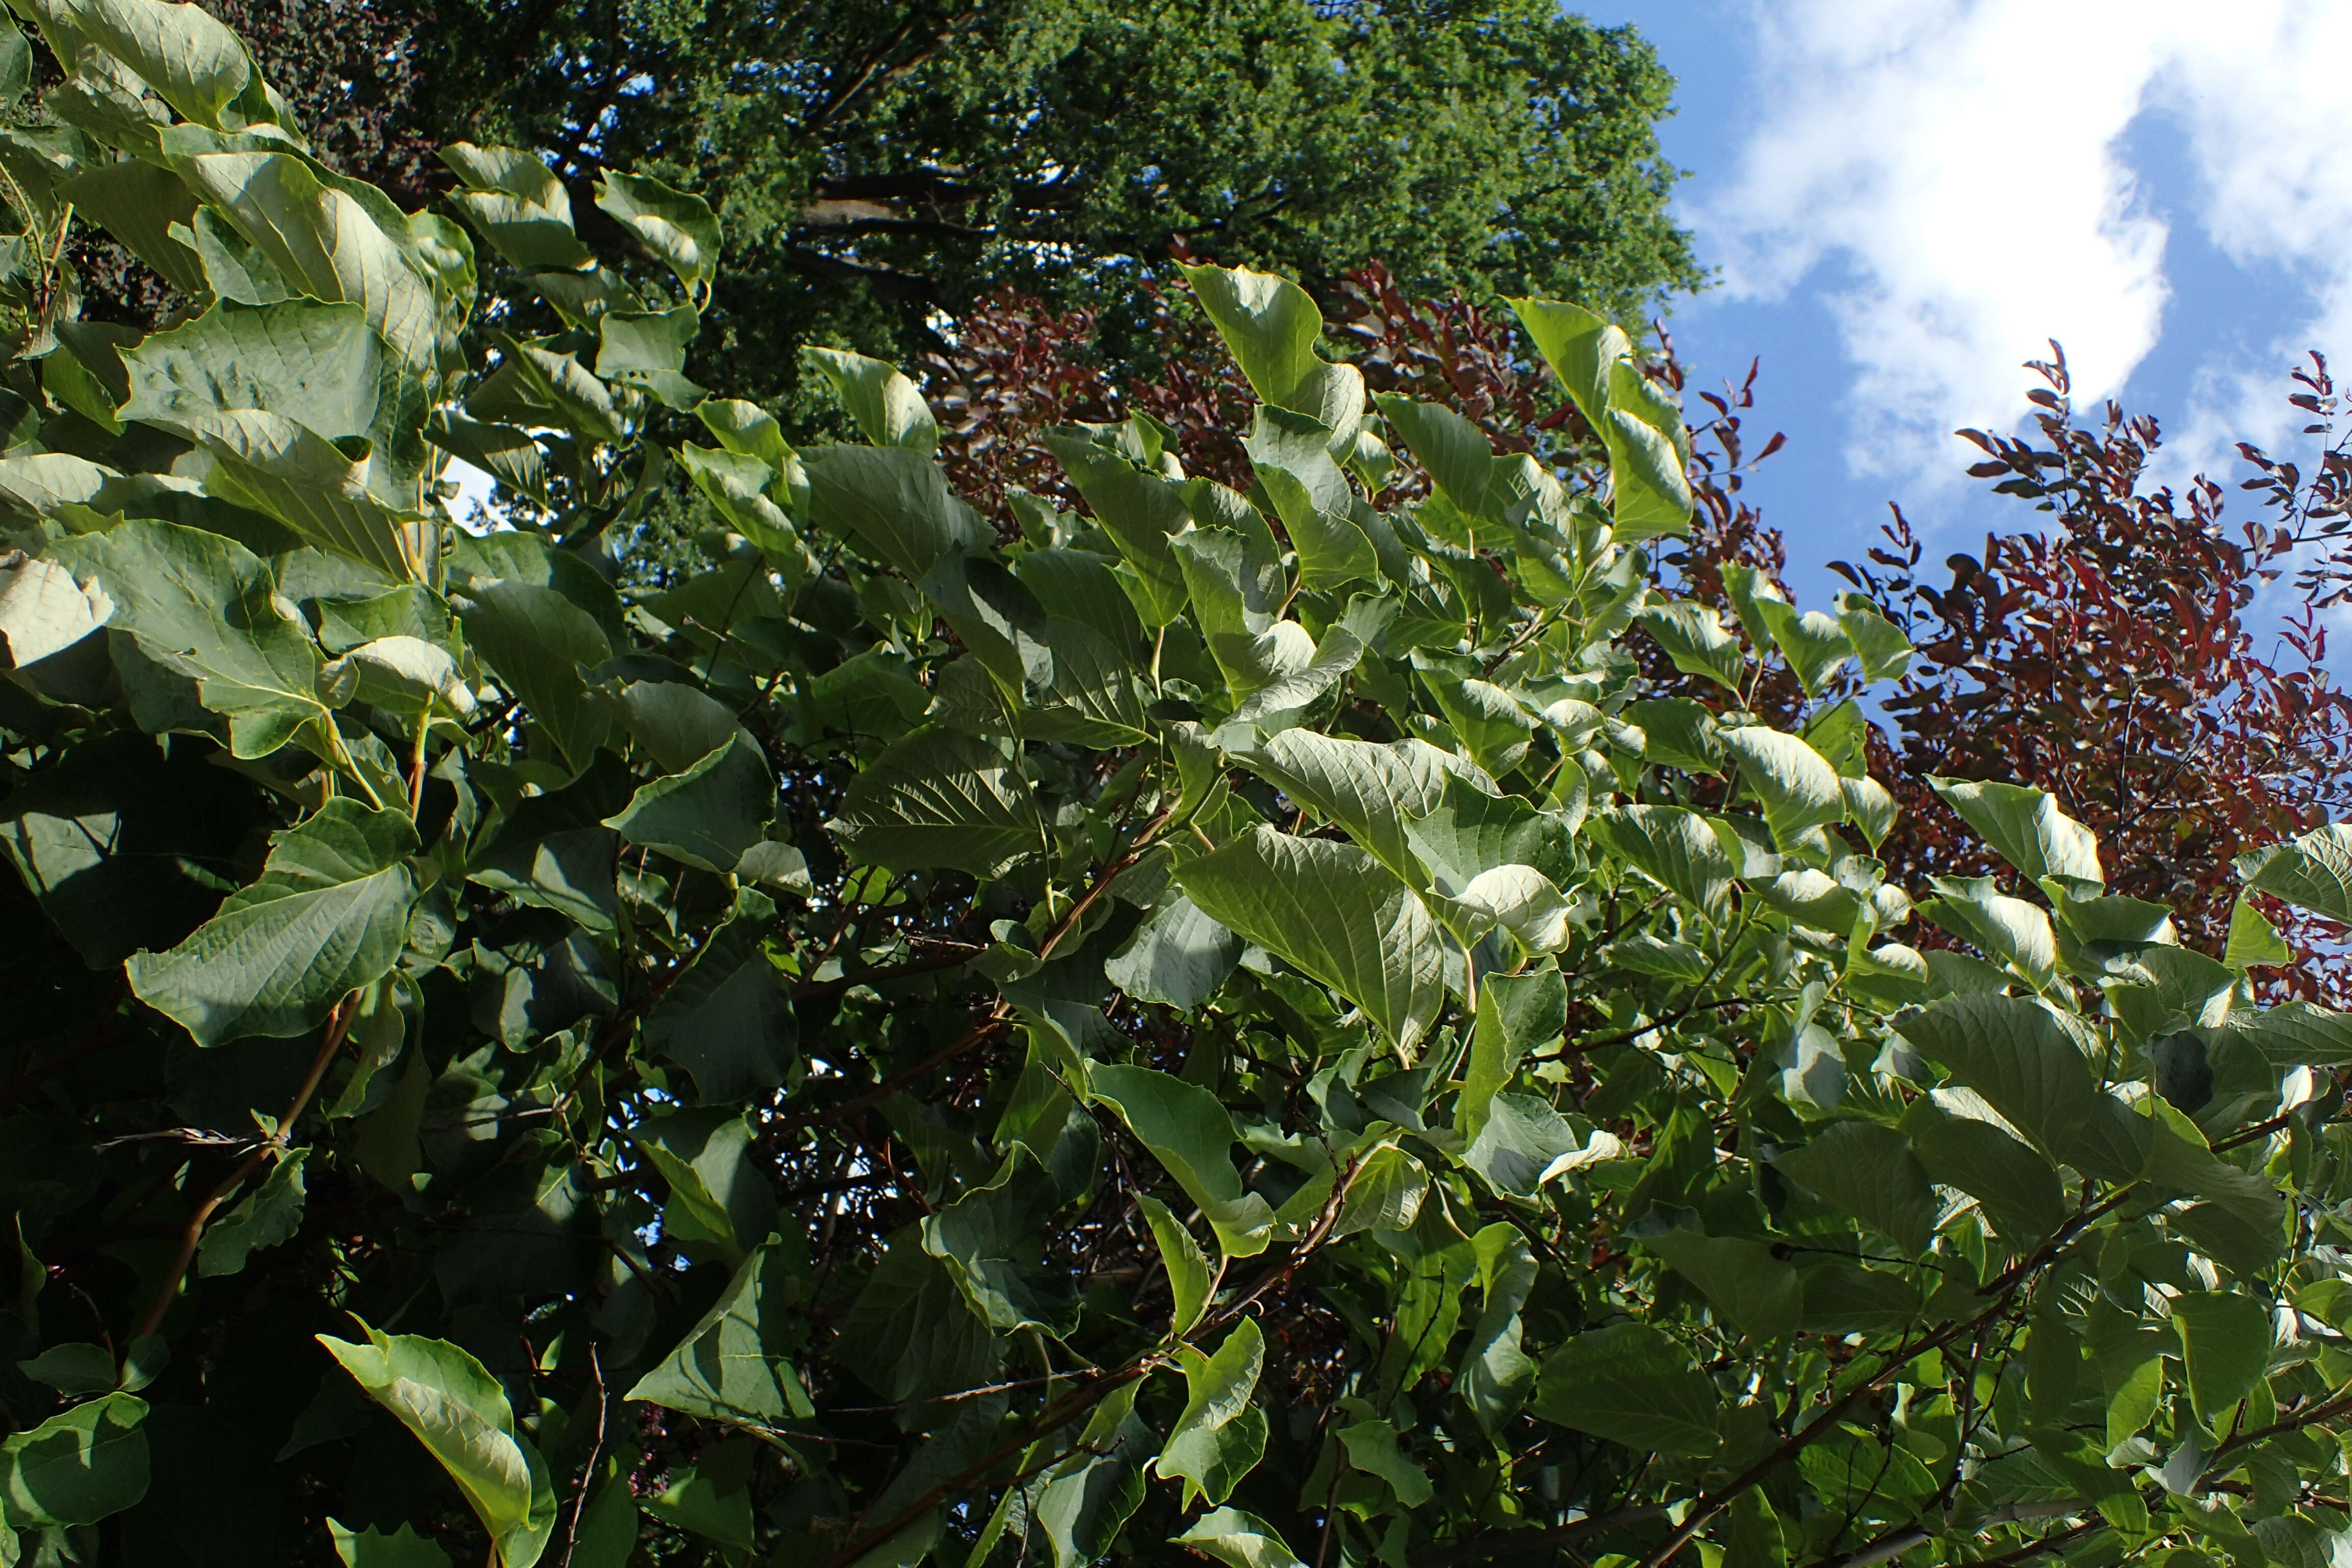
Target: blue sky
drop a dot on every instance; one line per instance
(1906, 198)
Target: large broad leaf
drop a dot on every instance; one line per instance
(1088, 1496)
(207, 607)
(76, 1467)
(894, 502)
(1798, 787)
(2026, 828)
(1643, 431)
(735, 1364)
(719, 1205)
(1694, 638)
(911, 1334)
(319, 364)
(44, 610)
(276, 466)
(940, 797)
(1373, 791)
(1750, 1289)
(727, 1019)
(1271, 326)
(140, 204)
(1674, 847)
(2225, 1343)
(1190, 1133)
(1869, 1172)
(709, 813)
(329, 913)
(992, 1241)
(2314, 871)
(2031, 1069)
(460, 1412)
(517, 203)
(2019, 1186)
(325, 241)
(1179, 957)
(1188, 1267)
(1220, 1435)
(1632, 1385)
(1337, 913)
(675, 225)
(537, 641)
(194, 62)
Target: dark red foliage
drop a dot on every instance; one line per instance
(2116, 656)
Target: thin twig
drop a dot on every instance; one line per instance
(588, 1471)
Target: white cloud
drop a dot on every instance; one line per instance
(1952, 180)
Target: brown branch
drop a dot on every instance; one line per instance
(338, 1025)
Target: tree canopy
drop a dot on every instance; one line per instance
(878, 169)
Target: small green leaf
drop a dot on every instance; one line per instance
(676, 226)
(1798, 787)
(1371, 1447)
(460, 1412)
(1694, 638)
(1189, 1280)
(1515, 1014)
(2253, 941)
(1179, 957)
(2225, 1341)
(1879, 642)
(1237, 1539)
(2025, 828)
(369, 1547)
(709, 813)
(1220, 1435)
(271, 1215)
(72, 1368)
(2312, 873)
(992, 1240)
(887, 406)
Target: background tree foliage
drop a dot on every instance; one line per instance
(1267, 1023)
(881, 170)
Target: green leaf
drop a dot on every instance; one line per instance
(711, 1498)
(1630, 1383)
(1495, 1373)
(518, 205)
(886, 406)
(735, 1364)
(1641, 429)
(1375, 791)
(2017, 1185)
(271, 1215)
(911, 1334)
(537, 641)
(318, 365)
(2031, 1068)
(1179, 957)
(2312, 873)
(1088, 1496)
(2254, 942)
(1221, 1435)
(707, 813)
(992, 1241)
(44, 610)
(1334, 912)
(460, 1412)
(719, 1205)
(206, 607)
(326, 241)
(1814, 645)
(1673, 846)
(1516, 1013)
(1798, 787)
(1519, 1142)
(141, 205)
(1189, 1280)
(894, 502)
(938, 797)
(72, 1368)
(1237, 1539)
(1755, 1293)
(1190, 1133)
(727, 1019)
(2225, 1341)
(1271, 326)
(1694, 638)
(676, 226)
(77, 1466)
(2007, 928)
(2025, 828)
(329, 913)
(1869, 1172)
(194, 63)
(369, 1547)
(1371, 1447)
(1878, 643)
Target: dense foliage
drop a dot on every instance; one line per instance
(1262, 1023)
(879, 169)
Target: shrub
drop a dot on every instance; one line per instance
(1236, 1022)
